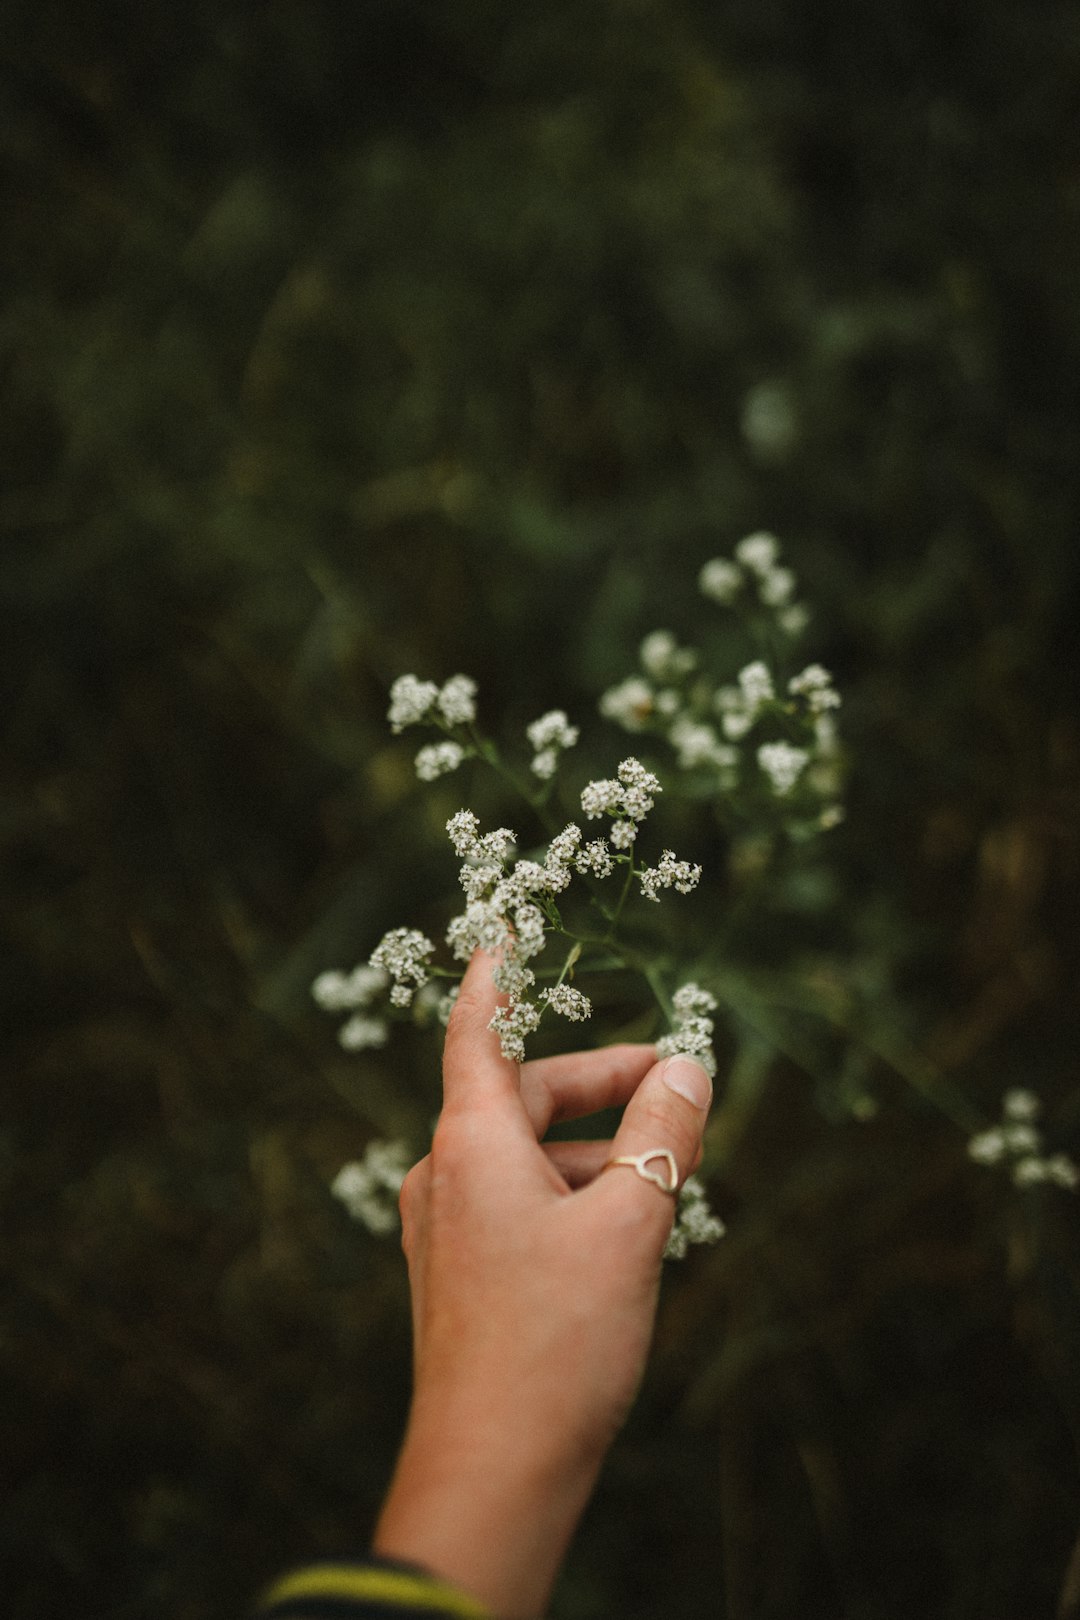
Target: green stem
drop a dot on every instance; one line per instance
(572, 956)
(625, 890)
(656, 985)
(489, 753)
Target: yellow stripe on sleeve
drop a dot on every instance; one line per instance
(361, 1581)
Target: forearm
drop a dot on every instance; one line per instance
(492, 1510)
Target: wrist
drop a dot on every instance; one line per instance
(487, 1503)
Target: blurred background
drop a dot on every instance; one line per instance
(342, 340)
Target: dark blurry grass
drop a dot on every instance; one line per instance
(343, 342)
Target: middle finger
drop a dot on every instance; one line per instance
(579, 1083)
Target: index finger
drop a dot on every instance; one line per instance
(475, 1073)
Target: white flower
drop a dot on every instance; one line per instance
(1029, 1172)
(783, 764)
(481, 926)
(529, 930)
(694, 1038)
(697, 744)
(341, 992)
(560, 855)
(1017, 1142)
(495, 846)
(403, 953)
(694, 1221)
(530, 876)
(446, 1005)
(1021, 1139)
(758, 552)
(457, 700)
(328, 991)
(638, 786)
(629, 704)
(562, 848)
(690, 999)
(596, 858)
(513, 978)
(988, 1147)
(815, 684)
(562, 998)
(463, 828)
(1061, 1169)
(656, 652)
(601, 798)
(630, 798)
(692, 1027)
(776, 587)
(736, 723)
(756, 686)
(769, 419)
(669, 874)
(1033, 1170)
(720, 580)
(477, 878)
(361, 1032)
(512, 1024)
(794, 619)
(369, 1188)
(438, 759)
(411, 701)
(548, 736)
(552, 730)
(663, 658)
(825, 736)
(1020, 1104)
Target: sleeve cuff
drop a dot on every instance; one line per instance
(368, 1589)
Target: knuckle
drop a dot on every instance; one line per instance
(470, 1007)
(413, 1188)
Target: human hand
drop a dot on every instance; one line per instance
(534, 1281)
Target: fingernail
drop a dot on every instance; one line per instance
(686, 1076)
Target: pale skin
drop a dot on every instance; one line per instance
(534, 1276)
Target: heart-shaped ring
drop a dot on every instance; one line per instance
(640, 1163)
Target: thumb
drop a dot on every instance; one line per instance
(665, 1117)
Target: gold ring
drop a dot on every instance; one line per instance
(640, 1162)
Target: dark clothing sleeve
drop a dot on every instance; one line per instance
(371, 1590)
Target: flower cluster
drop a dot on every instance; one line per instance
(669, 874)
(1017, 1144)
(783, 764)
(548, 736)
(403, 954)
(561, 998)
(692, 1026)
(757, 570)
(414, 702)
(369, 1188)
(354, 992)
(753, 738)
(510, 908)
(438, 759)
(510, 905)
(628, 798)
(694, 1221)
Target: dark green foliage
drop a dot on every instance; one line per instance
(343, 340)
